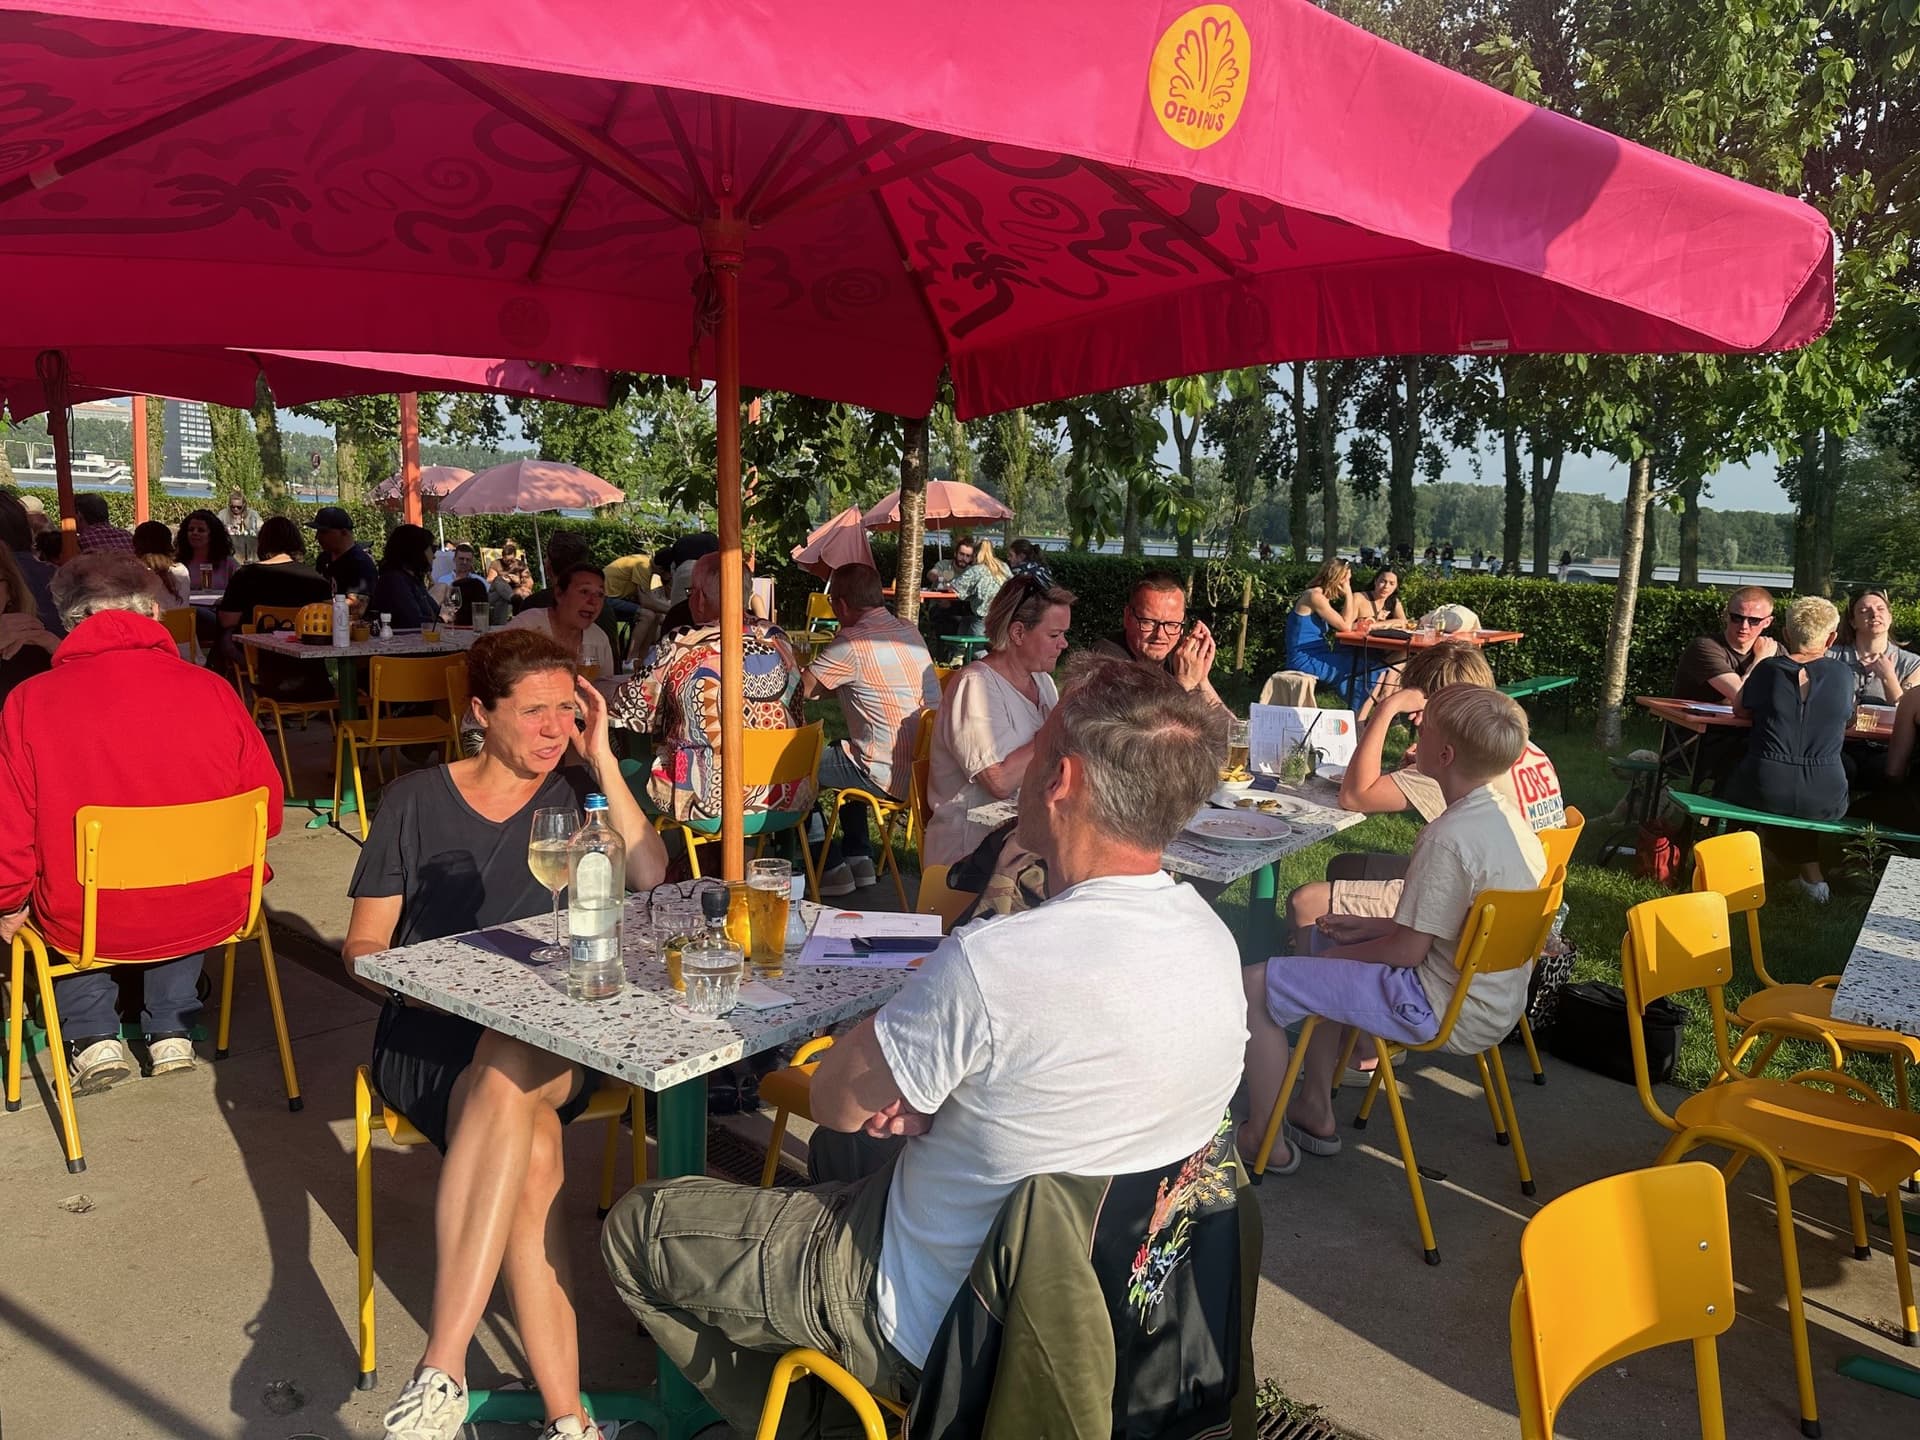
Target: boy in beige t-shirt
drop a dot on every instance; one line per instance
(1394, 977)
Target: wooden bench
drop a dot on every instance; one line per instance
(1524, 690)
(1720, 815)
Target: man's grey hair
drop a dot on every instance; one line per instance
(89, 584)
(706, 579)
(1150, 750)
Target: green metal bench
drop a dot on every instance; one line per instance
(1546, 685)
(965, 644)
(1720, 814)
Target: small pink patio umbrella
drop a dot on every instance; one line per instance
(437, 482)
(950, 503)
(532, 487)
(841, 541)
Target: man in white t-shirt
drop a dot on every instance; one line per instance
(1098, 1034)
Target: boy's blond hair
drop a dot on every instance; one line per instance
(1488, 730)
(1450, 663)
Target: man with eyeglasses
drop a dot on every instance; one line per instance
(1714, 667)
(1153, 631)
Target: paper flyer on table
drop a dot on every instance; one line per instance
(1272, 730)
(830, 944)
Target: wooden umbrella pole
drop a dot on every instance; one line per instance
(140, 477)
(52, 368)
(723, 241)
(410, 510)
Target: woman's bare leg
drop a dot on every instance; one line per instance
(539, 1276)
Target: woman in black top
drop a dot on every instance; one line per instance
(1800, 702)
(448, 854)
(401, 589)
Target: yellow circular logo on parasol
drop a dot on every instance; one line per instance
(1198, 79)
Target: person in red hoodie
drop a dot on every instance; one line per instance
(120, 719)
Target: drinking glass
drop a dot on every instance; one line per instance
(674, 926)
(547, 859)
(1236, 745)
(769, 892)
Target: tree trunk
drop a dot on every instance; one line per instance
(1326, 411)
(346, 463)
(1546, 480)
(1130, 520)
(1690, 535)
(1832, 455)
(1405, 444)
(156, 437)
(273, 457)
(1626, 595)
(1301, 489)
(1514, 517)
(1650, 542)
(1183, 446)
(1805, 502)
(913, 518)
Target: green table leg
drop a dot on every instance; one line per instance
(346, 686)
(1263, 924)
(673, 1409)
(1887, 1374)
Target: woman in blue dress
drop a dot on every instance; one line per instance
(1326, 607)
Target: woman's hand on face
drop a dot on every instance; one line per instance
(595, 742)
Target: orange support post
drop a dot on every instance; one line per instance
(140, 510)
(410, 458)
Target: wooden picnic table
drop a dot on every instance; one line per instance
(1880, 985)
(1312, 813)
(643, 1036)
(1403, 642)
(1686, 723)
(888, 591)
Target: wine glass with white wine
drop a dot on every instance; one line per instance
(553, 831)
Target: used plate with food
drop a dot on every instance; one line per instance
(1238, 827)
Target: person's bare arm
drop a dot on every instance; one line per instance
(1003, 780)
(1318, 603)
(1906, 724)
(1400, 947)
(646, 856)
(1728, 686)
(854, 1089)
(1365, 789)
(369, 930)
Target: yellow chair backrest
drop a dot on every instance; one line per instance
(1730, 864)
(938, 898)
(918, 802)
(1615, 1268)
(1675, 943)
(146, 847)
(819, 608)
(1559, 842)
(180, 625)
(776, 757)
(459, 697)
(1505, 929)
(284, 617)
(944, 674)
(409, 679)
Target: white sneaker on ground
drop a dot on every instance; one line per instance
(103, 1063)
(862, 868)
(1815, 890)
(568, 1427)
(175, 1052)
(432, 1407)
(837, 881)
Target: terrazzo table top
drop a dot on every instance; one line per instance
(1881, 983)
(404, 642)
(637, 1036)
(1304, 807)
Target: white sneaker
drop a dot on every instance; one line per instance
(173, 1053)
(101, 1064)
(568, 1427)
(837, 881)
(1815, 890)
(432, 1407)
(862, 868)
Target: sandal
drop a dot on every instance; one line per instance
(1305, 1140)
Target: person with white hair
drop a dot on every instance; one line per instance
(676, 699)
(120, 719)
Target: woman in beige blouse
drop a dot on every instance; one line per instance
(984, 733)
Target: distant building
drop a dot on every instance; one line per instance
(189, 439)
(103, 410)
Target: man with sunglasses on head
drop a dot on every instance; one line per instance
(1714, 667)
(1153, 631)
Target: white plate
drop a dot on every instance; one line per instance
(1332, 774)
(1237, 827)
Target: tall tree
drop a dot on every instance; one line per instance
(156, 436)
(1302, 474)
(234, 460)
(913, 517)
(365, 439)
(273, 457)
(1242, 426)
(1333, 382)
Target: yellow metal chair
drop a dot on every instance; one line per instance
(789, 1089)
(1682, 942)
(396, 680)
(609, 1103)
(919, 792)
(261, 704)
(1504, 930)
(797, 1365)
(768, 757)
(1558, 843)
(885, 809)
(183, 625)
(820, 619)
(1615, 1268)
(1730, 866)
(149, 847)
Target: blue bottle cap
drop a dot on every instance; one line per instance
(596, 802)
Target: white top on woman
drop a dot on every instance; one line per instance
(983, 719)
(595, 648)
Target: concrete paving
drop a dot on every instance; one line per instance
(198, 1280)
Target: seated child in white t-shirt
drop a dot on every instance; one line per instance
(1395, 977)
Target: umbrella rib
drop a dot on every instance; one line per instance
(669, 112)
(884, 134)
(583, 144)
(565, 212)
(914, 275)
(774, 167)
(1127, 190)
(309, 59)
(797, 203)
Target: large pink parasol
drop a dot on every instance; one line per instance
(950, 503)
(1080, 194)
(841, 541)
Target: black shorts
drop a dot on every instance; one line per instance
(418, 1056)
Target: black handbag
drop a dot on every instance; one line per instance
(1590, 1030)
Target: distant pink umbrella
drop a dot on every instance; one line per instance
(949, 503)
(841, 541)
(531, 487)
(437, 482)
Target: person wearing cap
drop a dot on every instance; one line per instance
(343, 560)
(36, 513)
